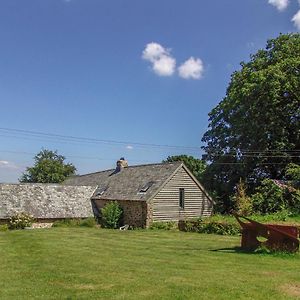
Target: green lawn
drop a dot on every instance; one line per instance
(90, 263)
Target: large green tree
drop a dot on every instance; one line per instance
(49, 167)
(254, 132)
(195, 165)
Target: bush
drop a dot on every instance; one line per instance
(211, 227)
(111, 214)
(89, 222)
(243, 203)
(20, 221)
(271, 198)
(3, 227)
(163, 225)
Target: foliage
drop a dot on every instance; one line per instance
(163, 225)
(292, 172)
(271, 198)
(243, 202)
(20, 221)
(49, 167)
(3, 227)
(88, 222)
(111, 214)
(212, 227)
(195, 165)
(254, 131)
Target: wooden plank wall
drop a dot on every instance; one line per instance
(165, 205)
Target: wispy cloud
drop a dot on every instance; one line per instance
(193, 68)
(296, 20)
(281, 5)
(163, 64)
(4, 164)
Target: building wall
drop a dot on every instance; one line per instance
(46, 201)
(165, 205)
(134, 212)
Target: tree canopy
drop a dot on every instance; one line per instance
(49, 167)
(254, 132)
(195, 165)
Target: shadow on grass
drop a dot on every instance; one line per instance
(259, 251)
(233, 250)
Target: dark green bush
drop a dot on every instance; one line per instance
(211, 227)
(20, 221)
(111, 214)
(270, 198)
(66, 223)
(163, 225)
(89, 222)
(3, 227)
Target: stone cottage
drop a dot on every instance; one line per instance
(147, 193)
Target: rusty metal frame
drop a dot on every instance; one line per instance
(278, 237)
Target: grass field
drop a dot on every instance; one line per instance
(90, 263)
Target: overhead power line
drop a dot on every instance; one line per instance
(43, 136)
(60, 137)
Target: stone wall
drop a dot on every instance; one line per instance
(46, 201)
(134, 212)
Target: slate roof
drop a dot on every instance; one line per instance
(46, 201)
(129, 182)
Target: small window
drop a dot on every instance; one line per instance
(181, 198)
(146, 187)
(100, 191)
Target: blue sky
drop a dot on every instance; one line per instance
(134, 71)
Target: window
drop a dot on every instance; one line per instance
(146, 187)
(181, 198)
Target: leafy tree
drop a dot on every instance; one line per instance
(196, 166)
(254, 132)
(49, 167)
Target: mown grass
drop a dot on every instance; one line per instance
(91, 263)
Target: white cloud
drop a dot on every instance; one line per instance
(163, 64)
(129, 147)
(193, 68)
(4, 164)
(281, 5)
(296, 20)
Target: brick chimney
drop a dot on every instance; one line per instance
(121, 163)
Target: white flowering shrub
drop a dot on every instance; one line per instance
(20, 221)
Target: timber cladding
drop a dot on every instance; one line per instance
(166, 206)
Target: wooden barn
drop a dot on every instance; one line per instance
(148, 193)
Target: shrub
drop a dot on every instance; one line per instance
(243, 202)
(3, 227)
(211, 227)
(89, 222)
(66, 223)
(111, 214)
(20, 221)
(271, 198)
(163, 225)
(268, 198)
